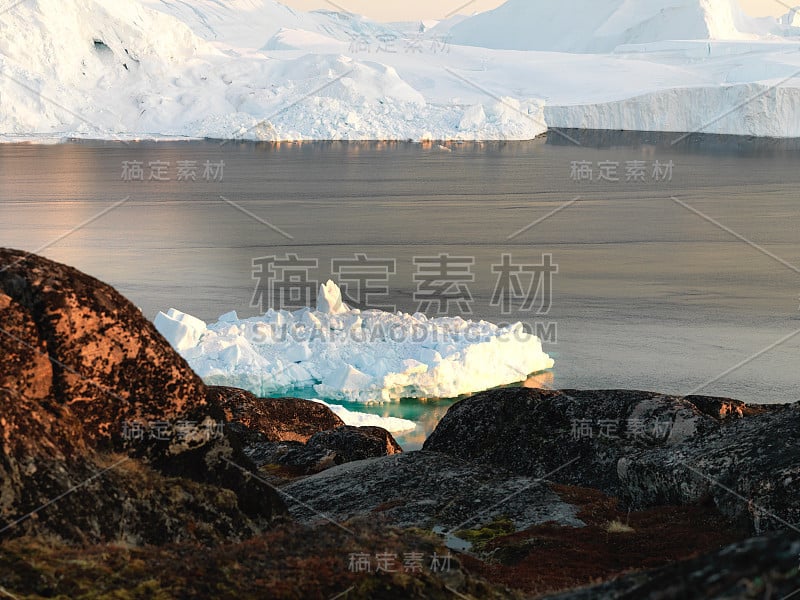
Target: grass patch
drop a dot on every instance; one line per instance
(478, 537)
(617, 526)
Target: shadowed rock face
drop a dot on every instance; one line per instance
(290, 437)
(77, 342)
(427, 489)
(356, 443)
(661, 450)
(534, 431)
(78, 361)
(761, 567)
(277, 419)
(337, 446)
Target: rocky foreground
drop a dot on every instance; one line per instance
(123, 476)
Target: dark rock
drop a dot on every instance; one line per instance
(278, 419)
(338, 446)
(356, 443)
(428, 490)
(664, 449)
(536, 432)
(79, 363)
(299, 437)
(761, 567)
(322, 451)
(750, 468)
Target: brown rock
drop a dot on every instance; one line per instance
(26, 368)
(107, 361)
(278, 419)
(78, 361)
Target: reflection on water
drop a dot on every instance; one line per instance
(426, 413)
(685, 143)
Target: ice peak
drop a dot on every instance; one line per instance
(329, 299)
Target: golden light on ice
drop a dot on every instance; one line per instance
(540, 381)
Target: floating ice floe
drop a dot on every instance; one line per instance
(361, 419)
(354, 355)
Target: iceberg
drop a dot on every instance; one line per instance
(182, 330)
(597, 27)
(352, 355)
(256, 70)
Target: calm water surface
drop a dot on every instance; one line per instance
(649, 293)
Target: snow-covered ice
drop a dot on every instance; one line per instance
(354, 355)
(255, 69)
(580, 26)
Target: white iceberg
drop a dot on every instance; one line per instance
(580, 26)
(353, 355)
(329, 299)
(182, 330)
(257, 70)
